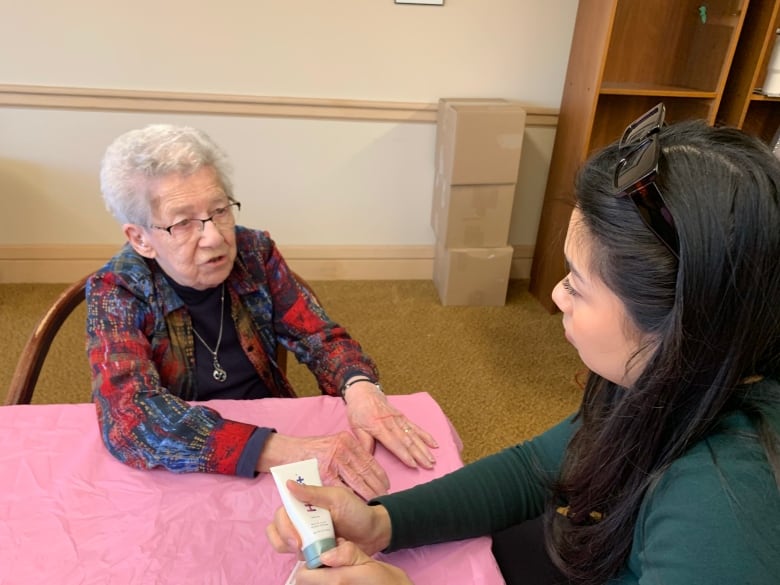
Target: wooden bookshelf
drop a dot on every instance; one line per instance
(626, 56)
(743, 105)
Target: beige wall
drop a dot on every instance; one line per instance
(343, 197)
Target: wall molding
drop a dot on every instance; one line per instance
(67, 262)
(127, 100)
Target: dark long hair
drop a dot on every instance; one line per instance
(714, 318)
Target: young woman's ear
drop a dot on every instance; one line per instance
(137, 238)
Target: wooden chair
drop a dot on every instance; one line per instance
(28, 368)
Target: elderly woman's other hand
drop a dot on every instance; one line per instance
(373, 417)
(342, 461)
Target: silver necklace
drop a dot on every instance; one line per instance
(219, 373)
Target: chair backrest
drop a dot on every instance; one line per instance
(28, 368)
(34, 353)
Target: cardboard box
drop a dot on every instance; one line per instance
(475, 216)
(472, 276)
(479, 142)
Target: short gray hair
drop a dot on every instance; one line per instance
(136, 157)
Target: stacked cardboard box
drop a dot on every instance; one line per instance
(478, 145)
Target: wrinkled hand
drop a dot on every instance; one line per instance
(348, 565)
(342, 461)
(367, 526)
(373, 417)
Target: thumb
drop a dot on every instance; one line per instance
(311, 494)
(345, 554)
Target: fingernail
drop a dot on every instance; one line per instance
(292, 544)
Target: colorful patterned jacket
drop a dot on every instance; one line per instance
(141, 350)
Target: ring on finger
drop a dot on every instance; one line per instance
(407, 429)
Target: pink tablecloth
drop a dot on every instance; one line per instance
(72, 514)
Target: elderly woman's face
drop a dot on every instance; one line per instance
(203, 260)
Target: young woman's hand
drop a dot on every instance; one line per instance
(366, 526)
(348, 565)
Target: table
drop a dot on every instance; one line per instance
(72, 514)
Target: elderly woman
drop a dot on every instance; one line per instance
(193, 307)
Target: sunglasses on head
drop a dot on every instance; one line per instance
(635, 174)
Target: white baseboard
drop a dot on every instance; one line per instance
(66, 263)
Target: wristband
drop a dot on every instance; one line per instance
(345, 387)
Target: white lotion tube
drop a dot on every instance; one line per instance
(313, 523)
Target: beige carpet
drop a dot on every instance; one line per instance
(502, 374)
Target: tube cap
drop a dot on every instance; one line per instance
(312, 552)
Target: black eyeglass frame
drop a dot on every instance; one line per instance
(203, 222)
(636, 171)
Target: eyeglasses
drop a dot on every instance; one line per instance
(222, 217)
(636, 172)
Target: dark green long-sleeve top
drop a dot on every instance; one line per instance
(712, 518)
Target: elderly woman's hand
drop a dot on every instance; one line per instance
(342, 461)
(373, 417)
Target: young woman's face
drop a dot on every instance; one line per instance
(204, 260)
(594, 318)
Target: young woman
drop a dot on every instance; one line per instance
(669, 472)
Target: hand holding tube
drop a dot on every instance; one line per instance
(348, 565)
(366, 526)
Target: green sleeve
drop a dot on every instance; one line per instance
(478, 499)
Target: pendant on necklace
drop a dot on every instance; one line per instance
(219, 374)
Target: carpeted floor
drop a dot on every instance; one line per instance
(502, 374)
